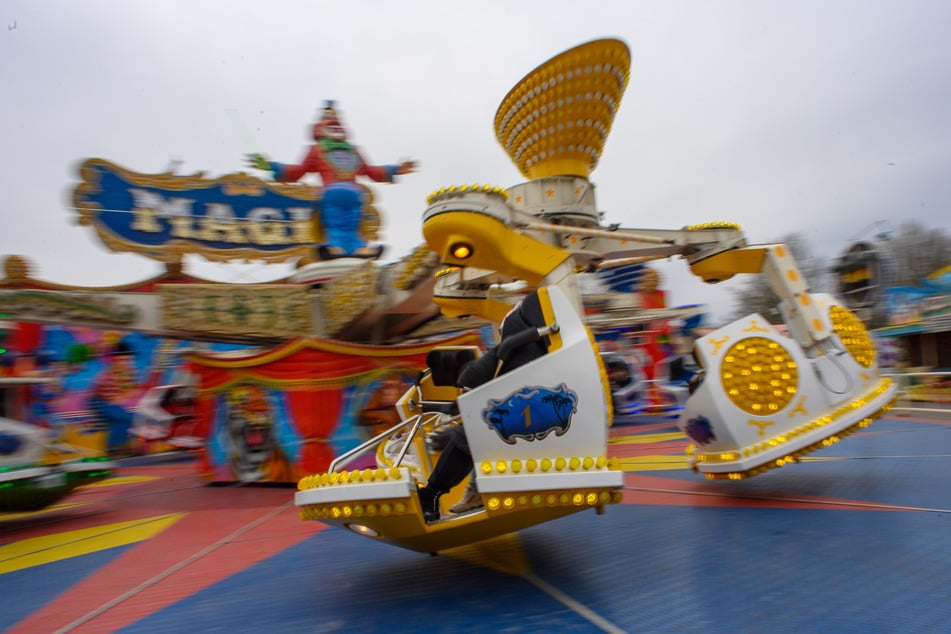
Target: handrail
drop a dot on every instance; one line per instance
(348, 457)
(905, 393)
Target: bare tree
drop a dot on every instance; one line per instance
(755, 295)
(917, 252)
(913, 252)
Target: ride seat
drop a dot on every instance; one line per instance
(439, 386)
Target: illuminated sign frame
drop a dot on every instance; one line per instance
(233, 217)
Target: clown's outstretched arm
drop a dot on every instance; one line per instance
(258, 161)
(288, 173)
(385, 173)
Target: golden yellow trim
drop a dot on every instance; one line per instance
(266, 311)
(853, 334)
(458, 190)
(560, 463)
(330, 345)
(785, 437)
(555, 121)
(712, 226)
(718, 343)
(725, 265)
(496, 247)
(548, 314)
(495, 503)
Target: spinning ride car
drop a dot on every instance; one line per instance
(34, 472)
(537, 435)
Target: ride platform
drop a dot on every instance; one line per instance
(853, 538)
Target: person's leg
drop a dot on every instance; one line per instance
(454, 462)
(453, 465)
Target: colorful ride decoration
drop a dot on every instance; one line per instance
(232, 217)
(93, 381)
(925, 307)
(341, 201)
(274, 415)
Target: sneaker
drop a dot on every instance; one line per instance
(470, 501)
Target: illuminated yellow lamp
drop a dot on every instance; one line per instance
(516, 466)
(555, 121)
(711, 226)
(500, 466)
(577, 499)
(493, 504)
(486, 467)
(574, 464)
(546, 464)
(461, 250)
(395, 473)
(853, 334)
(531, 465)
(560, 464)
(751, 379)
(458, 190)
(587, 463)
(508, 503)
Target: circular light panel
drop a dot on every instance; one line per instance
(759, 376)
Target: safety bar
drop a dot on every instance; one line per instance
(348, 457)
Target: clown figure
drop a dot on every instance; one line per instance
(341, 203)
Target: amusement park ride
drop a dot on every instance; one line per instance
(536, 433)
(762, 401)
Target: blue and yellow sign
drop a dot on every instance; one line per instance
(236, 216)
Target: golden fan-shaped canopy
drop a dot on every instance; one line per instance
(555, 121)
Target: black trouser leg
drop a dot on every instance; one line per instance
(454, 463)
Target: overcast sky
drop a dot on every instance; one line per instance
(817, 117)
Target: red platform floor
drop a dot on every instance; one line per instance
(857, 537)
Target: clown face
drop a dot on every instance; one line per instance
(330, 128)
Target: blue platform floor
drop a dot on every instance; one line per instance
(856, 538)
